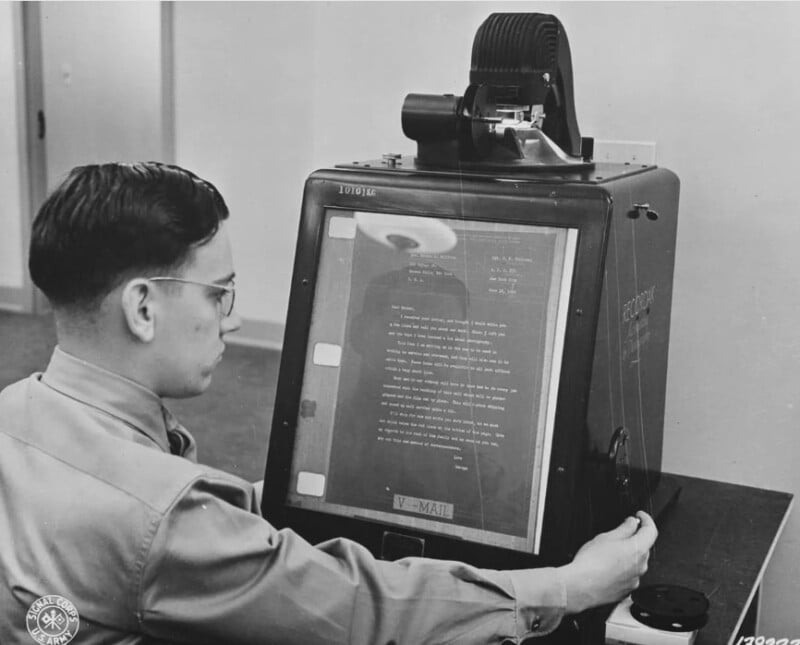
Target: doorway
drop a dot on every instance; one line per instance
(98, 88)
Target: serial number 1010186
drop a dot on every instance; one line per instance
(763, 640)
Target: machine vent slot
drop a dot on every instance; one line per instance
(515, 42)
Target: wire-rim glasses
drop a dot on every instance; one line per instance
(226, 300)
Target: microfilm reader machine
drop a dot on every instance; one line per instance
(475, 357)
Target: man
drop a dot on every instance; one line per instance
(108, 526)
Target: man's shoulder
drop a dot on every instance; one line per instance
(80, 503)
(47, 439)
(15, 399)
(14, 393)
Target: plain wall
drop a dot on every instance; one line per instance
(266, 93)
(244, 84)
(11, 203)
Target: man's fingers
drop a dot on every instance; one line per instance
(645, 519)
(626, 529)
(647, 533)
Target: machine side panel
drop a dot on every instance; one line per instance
(625, 421)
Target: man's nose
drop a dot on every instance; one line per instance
(230, 323)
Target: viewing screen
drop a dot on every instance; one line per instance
(431, 375)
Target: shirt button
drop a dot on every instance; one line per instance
(537, 623)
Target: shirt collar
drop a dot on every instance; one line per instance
(112, 393)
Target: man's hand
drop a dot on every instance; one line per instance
(608, 567)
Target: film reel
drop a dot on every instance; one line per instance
(670, 608)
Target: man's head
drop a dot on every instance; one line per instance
(95, 244)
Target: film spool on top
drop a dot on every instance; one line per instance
(670, 607)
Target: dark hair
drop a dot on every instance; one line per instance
(107, 222)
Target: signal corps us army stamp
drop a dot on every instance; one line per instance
(52, 620)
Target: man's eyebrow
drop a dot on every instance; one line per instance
(226, 279)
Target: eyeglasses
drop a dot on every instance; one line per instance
(225, 301)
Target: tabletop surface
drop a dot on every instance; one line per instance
(717, 538)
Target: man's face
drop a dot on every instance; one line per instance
(189, 332)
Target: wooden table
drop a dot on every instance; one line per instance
(718, 538)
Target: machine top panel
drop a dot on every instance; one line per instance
(599, 173)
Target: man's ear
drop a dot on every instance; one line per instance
(138, 309)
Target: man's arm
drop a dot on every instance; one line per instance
(218, 573)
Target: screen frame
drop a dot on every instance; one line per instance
(585, 207)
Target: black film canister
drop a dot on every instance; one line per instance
(431, 117)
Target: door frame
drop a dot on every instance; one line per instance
(34, 149)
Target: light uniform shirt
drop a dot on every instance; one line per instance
(105, 531)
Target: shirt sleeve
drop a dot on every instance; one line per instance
(216, 572)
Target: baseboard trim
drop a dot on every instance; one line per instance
(14, 299)
(258, 333)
